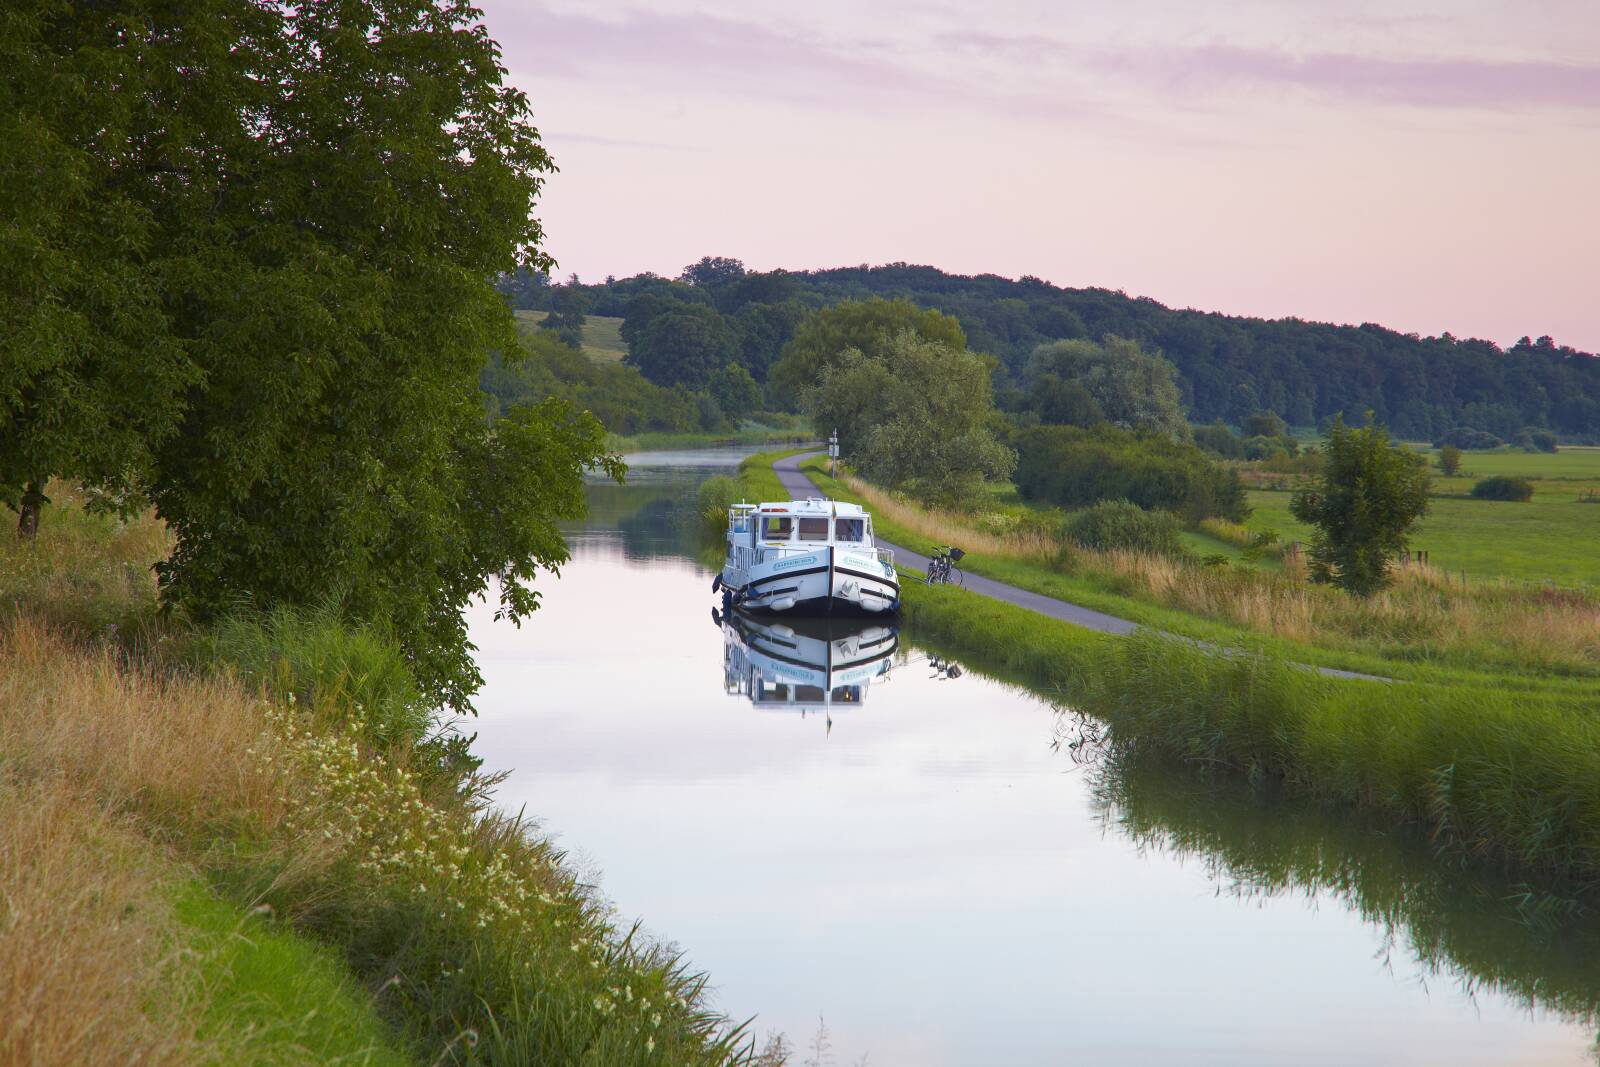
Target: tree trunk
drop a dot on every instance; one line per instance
(33, 499)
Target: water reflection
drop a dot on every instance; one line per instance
(1481, 933)
(804, 665)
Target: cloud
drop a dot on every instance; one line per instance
(1420, 82)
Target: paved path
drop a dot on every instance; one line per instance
(799, 486)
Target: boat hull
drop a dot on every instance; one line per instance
(825, 581)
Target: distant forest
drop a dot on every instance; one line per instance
(1230, 367)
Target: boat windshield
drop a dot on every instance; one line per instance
(814, 529)
(776, 527)
(849, 530)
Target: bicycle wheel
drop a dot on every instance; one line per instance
(956, 578)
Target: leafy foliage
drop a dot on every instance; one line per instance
(1371, 495)
(1503, 487)
(914, 416)
(1449, 460)
(1129, 388)
(1122, 524)
(870, 327)
(684, 345)
(1076, 467)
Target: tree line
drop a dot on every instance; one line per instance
(1229, 367)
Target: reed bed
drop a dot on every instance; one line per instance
(1425, 616)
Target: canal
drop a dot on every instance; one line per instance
(923, 865)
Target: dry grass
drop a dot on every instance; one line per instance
(1426, 614)
(83, 927)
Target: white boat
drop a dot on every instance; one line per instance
(806, 557)
(813, 665)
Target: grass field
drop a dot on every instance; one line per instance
(602, 334)
(1552, 538)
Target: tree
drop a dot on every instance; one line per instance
(685, 345)
(91, 378)
(1450, 460)
(569, 306)
(735, 392)
(303, 208)
(916, 416)
(1264, 424)
(868, 326)
(1133, 389)
(713, 271)
(1371, 496)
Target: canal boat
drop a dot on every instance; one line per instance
(806, 557)
(811, 665)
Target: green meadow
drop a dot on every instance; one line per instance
(602, 334)
(1553, 538)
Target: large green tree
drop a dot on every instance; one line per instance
(91, 376)
(322, 194)
(868, 326)
(918, 415)
(685, 345)
(1371, 495)
(1129, 387)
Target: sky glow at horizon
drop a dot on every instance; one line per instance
(1433, 168)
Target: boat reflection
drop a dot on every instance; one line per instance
(804, 664)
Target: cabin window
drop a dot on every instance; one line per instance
(776, 527)
(849, 529)
(813, 529)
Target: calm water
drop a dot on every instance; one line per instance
(929, 874)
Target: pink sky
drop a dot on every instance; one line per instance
(1428, 165)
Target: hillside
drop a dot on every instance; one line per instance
(1230, 366)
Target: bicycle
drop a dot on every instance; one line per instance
(942, 569)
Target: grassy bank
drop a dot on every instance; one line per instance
(1430, 626)
(1503, 774)
(205, 834)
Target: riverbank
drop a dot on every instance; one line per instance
(251, 843)
(1505, 774)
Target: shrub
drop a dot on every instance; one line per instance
(1219, 441)
(1075, 468)
(1113, 524)
(1450, 459)
(1470, 439)
(1503, 487)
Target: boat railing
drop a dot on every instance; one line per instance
(885, 555)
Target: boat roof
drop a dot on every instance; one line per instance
(815, 505)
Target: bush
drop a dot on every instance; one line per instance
(1075, 468)
(1113, 524)
(1219, 441)
(1503, 487)
(1450, 459)
(1467, 438)
(1539, 441)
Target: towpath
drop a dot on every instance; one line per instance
(799, 486)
